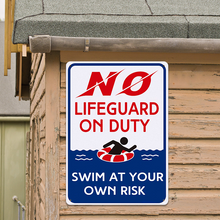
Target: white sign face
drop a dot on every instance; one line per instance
(117, 133)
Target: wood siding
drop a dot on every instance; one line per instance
(194, 140)
(43, 189)
(36, 190)
(52, 135)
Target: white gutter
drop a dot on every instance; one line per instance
(46, 44)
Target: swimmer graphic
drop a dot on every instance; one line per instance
(118, 147)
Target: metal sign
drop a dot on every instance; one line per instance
(117, 133)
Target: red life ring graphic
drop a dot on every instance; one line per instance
(103, 154)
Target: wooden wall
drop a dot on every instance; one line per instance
(35, 191)
(194, 139)
(42, 191)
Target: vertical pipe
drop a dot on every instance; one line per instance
(23, 213)
(19, 211)
(20, 206)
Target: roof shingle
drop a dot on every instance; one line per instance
(117, 19)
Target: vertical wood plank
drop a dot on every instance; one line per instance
(52, 93)
(9, 33)
(24, 50)
(37, 144)
(20, 76)
(6, 40)
(32, 169)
